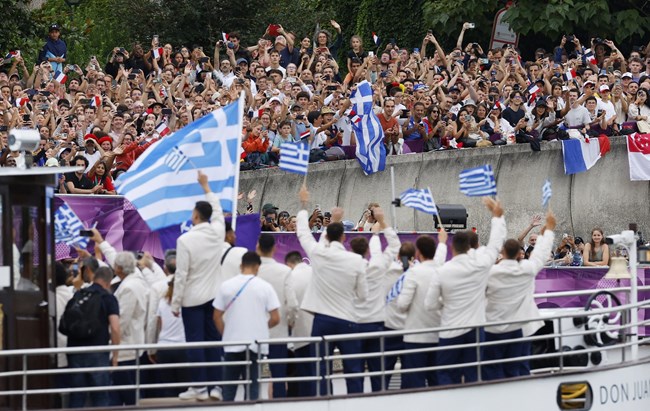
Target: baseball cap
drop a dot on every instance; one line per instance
(627, 75)
(326, 110)
(589, 82)
(241, 60)
(579, 240)
(604, 87)
(55, 26)
(269, 206)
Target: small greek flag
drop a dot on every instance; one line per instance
(478, 182)
(547, 192)
(394, 291)
(176, 159)
(67, 226)
(421, 200)
(294, 157)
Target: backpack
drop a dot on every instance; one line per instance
(82, 316)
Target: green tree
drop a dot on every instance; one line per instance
(18, 31)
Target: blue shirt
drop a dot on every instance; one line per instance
(416, 134)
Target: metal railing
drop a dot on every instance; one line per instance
(23, 389)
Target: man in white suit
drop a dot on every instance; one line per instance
(411, 300)
(510, 290)
(195, 284)
(338, 279)
(458, 290)
(279, 276)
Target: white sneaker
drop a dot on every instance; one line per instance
(194, 394)
(216, 394)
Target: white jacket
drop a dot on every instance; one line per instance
(339, 275)
(411, 299)
(231, 266)
(372, 309)
(459, 287)
(279, 276)
(300, 279)
(137, 313)
(197, 260)
(511, 286)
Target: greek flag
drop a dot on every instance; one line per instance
(478, 182)
(371, 152)
(547, 192)
(394, 291)
(421, 200)
(67, 226)
(294, 157)
(162, 184)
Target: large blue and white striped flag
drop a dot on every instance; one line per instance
(67, 226)
(478, 182)
(547, 192)
(371, 152)
(162, 184)
(294, 157)
(421, 200)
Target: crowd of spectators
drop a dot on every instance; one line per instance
(108, 112)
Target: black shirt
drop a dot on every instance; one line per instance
(110, 307)
(83, 182)
(512, 116)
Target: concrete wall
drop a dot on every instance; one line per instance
(601, 197)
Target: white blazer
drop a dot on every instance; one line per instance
(511, 286)
(372, 309)
(338, 278)
(197, 260)
(279, 276)
(300, 279)
(459, 287)
(411, 298)
(137, 313)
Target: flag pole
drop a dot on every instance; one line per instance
(235, 191)
(392, 187)
(437, 213)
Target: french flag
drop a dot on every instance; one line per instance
(498, 106)
(256, 113)
(163, 129)
(638, 155)
(533, 89)
(21, 101)
(95, 101)
(353, 116)
(60, 77)
(589, 57)
(581, 155)
(158, 52)
(570, 75)
(12, 54)
(375, 39)
(225, 37)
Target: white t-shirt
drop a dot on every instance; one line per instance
(92, 159)
(247, 317)
(577, 117)
(172, 330)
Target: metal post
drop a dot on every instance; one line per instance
(392, 186)
(634, 299)
(318, 360)
(137, 377)
(559, 329)
(382, 347)
(478, 352)
(328, 372)
(24, 382)
(247, 386)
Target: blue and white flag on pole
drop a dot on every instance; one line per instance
(547, 192)
(396, 289)
(478, 182)
(162, 184)
(371, 152)
(67, 226)
(294, 157)
(421, 200)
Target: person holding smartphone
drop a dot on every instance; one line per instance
(416, 128)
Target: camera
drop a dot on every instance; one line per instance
(85, 233)
(468, 117)
(570, 38)
(204, 59)
(626, 238)
(599, 113)
(23, 140)
(598, 40)
(231, 45)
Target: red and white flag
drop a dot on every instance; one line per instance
(638, 154)
(353, 116)
(163, 129)
(375, 38)
(60, 77)
(305, 134)
(95, 101)
(225, 37)
(589, 57)
(256, 113)
(157, 52)
(497, 105)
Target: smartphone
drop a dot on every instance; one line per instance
(468, 117)
(318, 207)
(132, 76)
(484, 60)
(208, 75)
(371, 54)
(327, 214)
(405, 114)
(599, 113)
(383, 74)
(291, 79)
(300, 117)
(471, 25)
(155, 39)
(204, 59)
(166, 111)
(429, 32)
(43, 106)
(332, 88)
(85, 233)
(84, 101)
(70, 67)
(416, 50)
(122, 50)
(26, 117)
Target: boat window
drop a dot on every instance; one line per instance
(25, 248)
(576, 396)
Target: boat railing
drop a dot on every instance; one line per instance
(21, 371)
